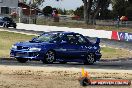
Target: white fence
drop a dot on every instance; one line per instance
(85, 32)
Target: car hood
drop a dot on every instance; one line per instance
(31, 44)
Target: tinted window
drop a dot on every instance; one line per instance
(49, 37)
(7, 19)
(81, 39)
(71, 39)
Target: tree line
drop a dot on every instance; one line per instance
(98, 9)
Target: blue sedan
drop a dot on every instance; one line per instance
(60, 47)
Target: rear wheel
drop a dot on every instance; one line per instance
(90, 59)
(22, 60)
(4, 25)
(49, 57)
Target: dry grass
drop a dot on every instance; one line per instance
(46, 77)
(111, 53)
(78, 24)
(7, 39)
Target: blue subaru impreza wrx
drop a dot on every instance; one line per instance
(60, 47)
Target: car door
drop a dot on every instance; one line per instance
(69, 48)
(83, 45)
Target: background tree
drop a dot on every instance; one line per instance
(129, 10)
(47, 10)
(36, 3)
(122, 8)
(61, 11)
(70, 12)
(105, 13)
(119, 7)
(79, 11)
(92, 8)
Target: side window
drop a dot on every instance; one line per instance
(6, 19)
(0, 19)
(71, 39)
(81, 39)
(56, 37)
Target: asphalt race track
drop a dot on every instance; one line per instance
(114, 65)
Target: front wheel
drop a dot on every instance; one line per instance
(49, 57)
(22, 60)
(90, 59)
(14, 26)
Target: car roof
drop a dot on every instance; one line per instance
(63, 32)
(60, 32)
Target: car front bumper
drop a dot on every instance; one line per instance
(27, 54)
(11, 25)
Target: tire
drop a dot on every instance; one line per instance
(14, 26)
(90, 59)
(6, 26)
(85, 82)
(62, 62)
(49, 57)
(22, 60)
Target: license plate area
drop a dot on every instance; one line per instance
(22, 54)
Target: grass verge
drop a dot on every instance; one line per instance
(7, 39)
(112, 53)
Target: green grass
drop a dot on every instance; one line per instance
(111, 53)
(112, 28)
(7, 39)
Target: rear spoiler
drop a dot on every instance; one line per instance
(97, 41)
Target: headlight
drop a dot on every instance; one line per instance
(14, 47)
(34, 49)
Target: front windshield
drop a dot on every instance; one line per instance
(7, 19)
(49, 37)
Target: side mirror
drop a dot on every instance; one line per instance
(97, 40)
(33, 39)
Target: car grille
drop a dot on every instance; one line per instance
(25, 54)
(22, 54)
(22, 48)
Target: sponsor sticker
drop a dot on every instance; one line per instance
(85, 80)
(125, 36)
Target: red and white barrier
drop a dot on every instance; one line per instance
(86, 32)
